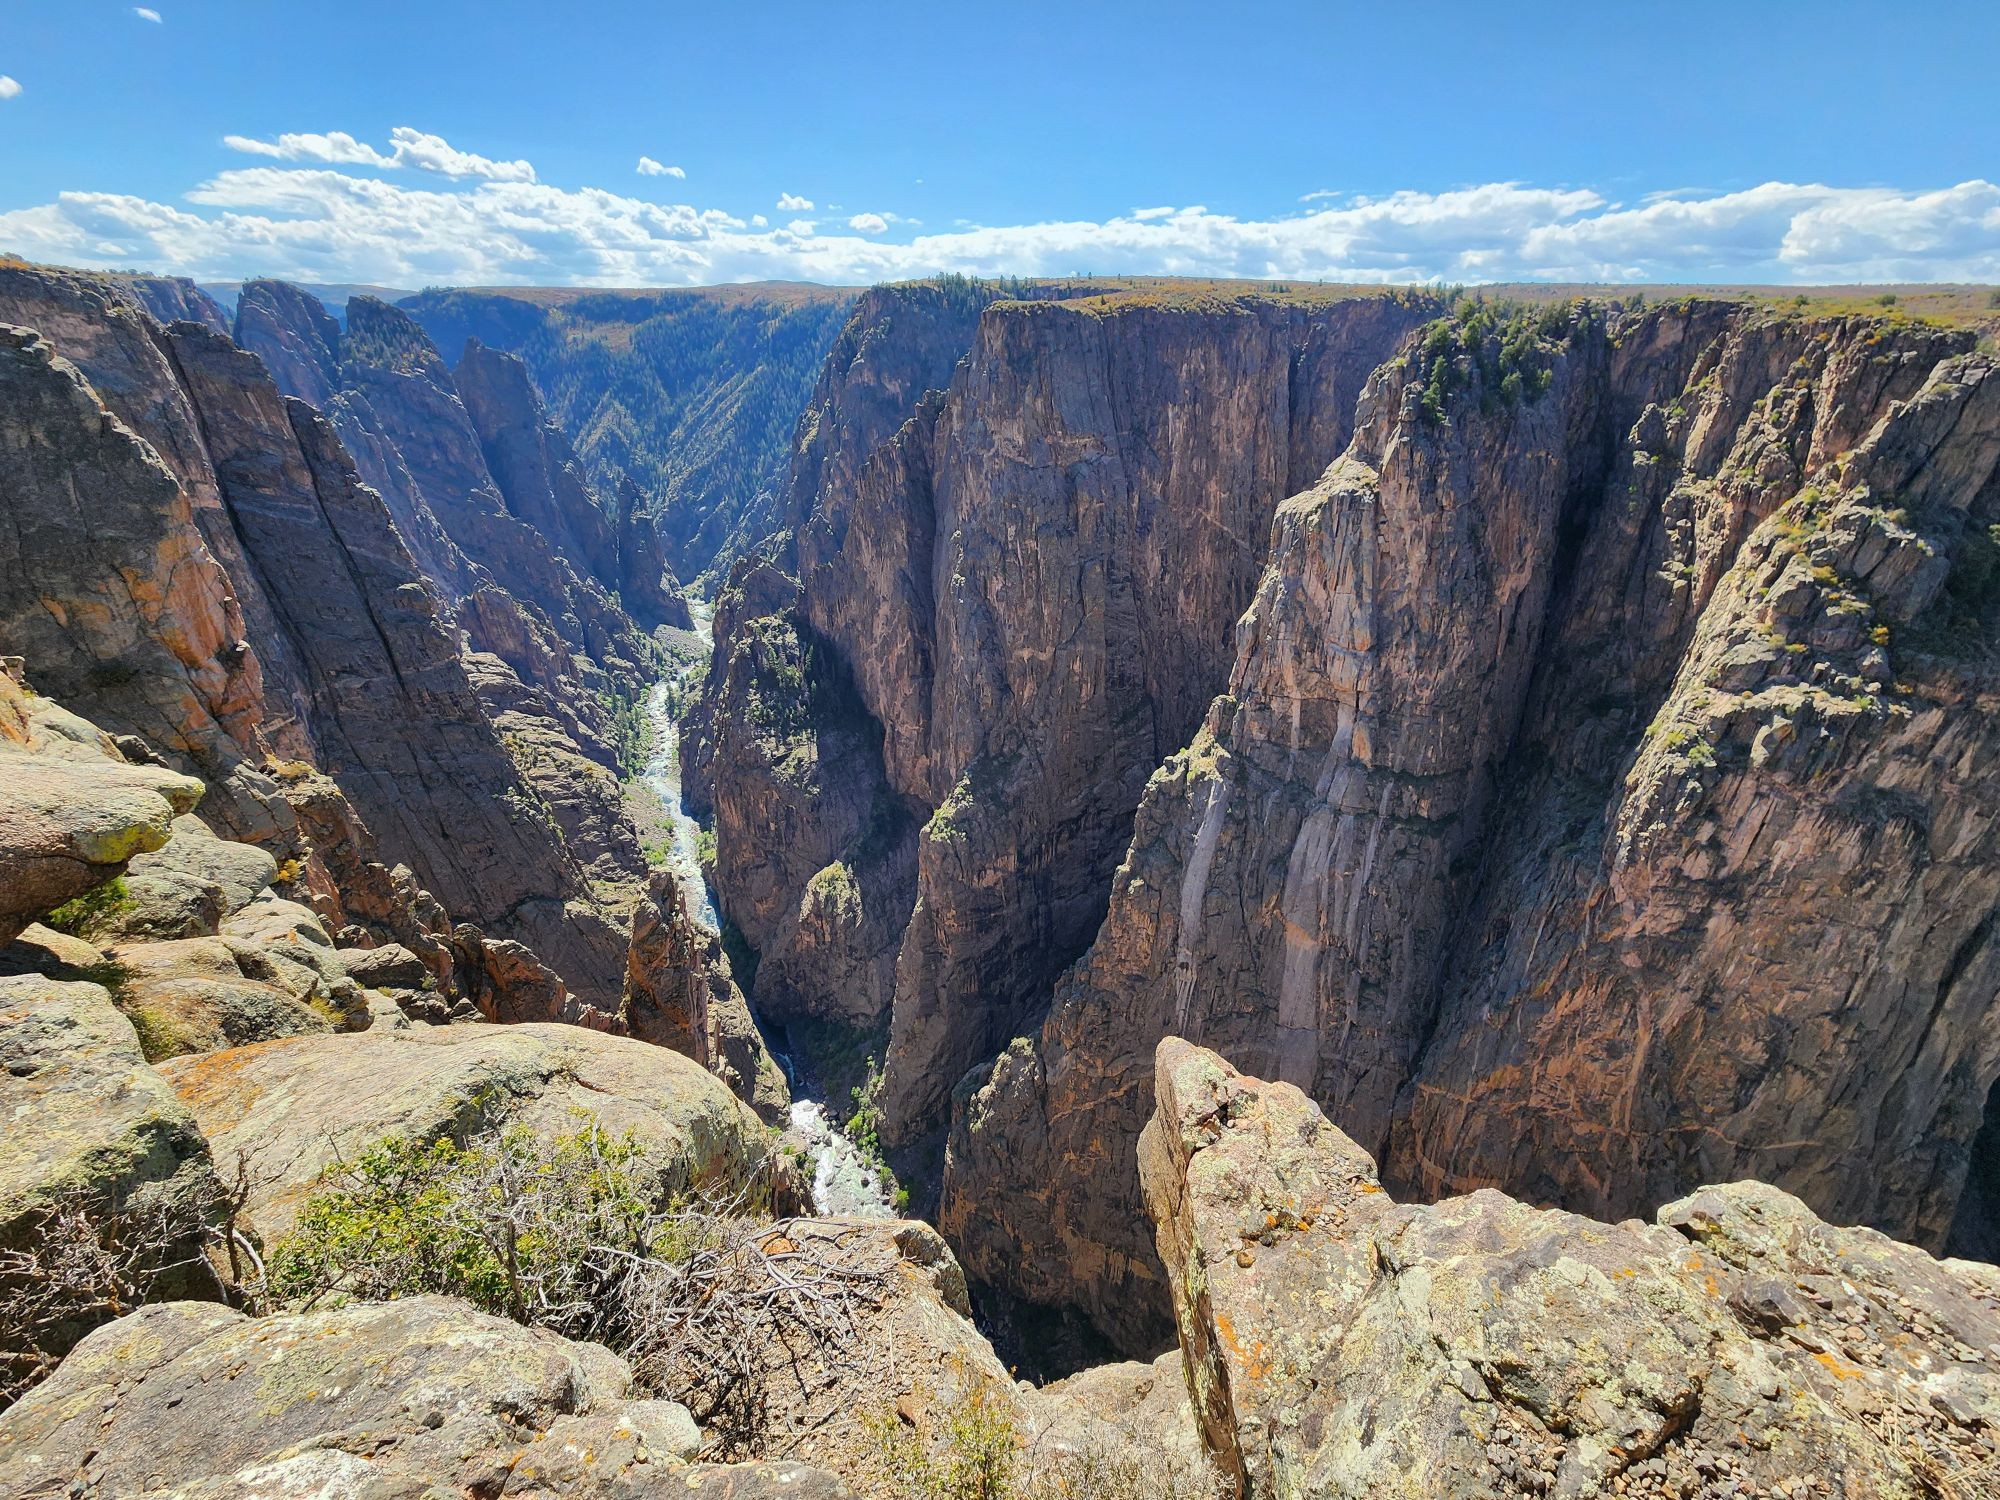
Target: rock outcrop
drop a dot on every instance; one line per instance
(1427, 860)
(421, 1395)
(73, 813)
(105, 1124)
(296, 1104)
(94, 1135)
(1340, 1344)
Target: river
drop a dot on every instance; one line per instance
(844, 1180)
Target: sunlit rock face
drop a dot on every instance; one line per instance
(1023, 531)
(1601, 804)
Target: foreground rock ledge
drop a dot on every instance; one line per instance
(418, 1397)
(1339, 1344)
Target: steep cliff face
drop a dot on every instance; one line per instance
(1031, 576)
(814, 856)
(108, 586)
(479, 479)
(176, 299)
(521, 552)
(680, 993)
(1427, 860)
(532, 463)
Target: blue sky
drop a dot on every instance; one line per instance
(1771, 142)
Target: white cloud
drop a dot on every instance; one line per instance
(8, 87)
(146, 13)
(335, 146)
(407, 148)
(321, 223)
(431, 153)
(650, 168)
(792, 203)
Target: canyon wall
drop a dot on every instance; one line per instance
(1600, 803)
(200, 568)
(692, 393)
(1022, 530)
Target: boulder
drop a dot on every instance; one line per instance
(422, 1395)
(196, 995)
(188, 885)
(300, 1103)
(100, 1121)
(389, 967)
(73, 814)
(1340, 1344)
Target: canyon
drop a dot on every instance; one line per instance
(1295, 813)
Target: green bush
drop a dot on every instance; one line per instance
(506, 1221)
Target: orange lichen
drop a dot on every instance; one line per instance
(1254, 1362)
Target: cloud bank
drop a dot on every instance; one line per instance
(306, 214)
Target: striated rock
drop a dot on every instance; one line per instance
(1030, 577)
(1340, 1344)
(396, 711)
(418, 1395)
(355, 671)
(680, 993)
(815, 855)
(646, 583)
(176, 299)
(1775, 953)
(532, 463)
(109, 588)
(298, 1103)
(1426, 860)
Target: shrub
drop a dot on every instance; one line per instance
(864, 1125)
(972, 1458)
(81, 1260)
(706, 1302)
(503, 1221)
